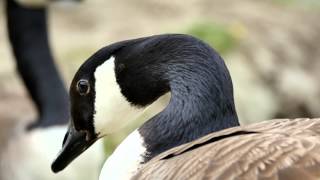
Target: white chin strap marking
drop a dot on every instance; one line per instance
(113, 111)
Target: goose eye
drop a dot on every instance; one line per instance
(83, 87)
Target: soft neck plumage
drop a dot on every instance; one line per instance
(201, 103)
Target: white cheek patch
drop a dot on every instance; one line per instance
(112, 110)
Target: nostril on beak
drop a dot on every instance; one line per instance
(87, 134)
(65, 138)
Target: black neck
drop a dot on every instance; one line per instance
(28, 33)
(201, 103)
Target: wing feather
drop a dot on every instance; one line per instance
(276, 149)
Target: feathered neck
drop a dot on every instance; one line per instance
(201, 103)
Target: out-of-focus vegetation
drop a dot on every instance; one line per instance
(300, 3)
(218, 36)
(76, 56)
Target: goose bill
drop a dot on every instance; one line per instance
(74, 143)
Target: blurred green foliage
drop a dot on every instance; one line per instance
(218, 36)
(300, 3)
(113, 140)
(76, 56)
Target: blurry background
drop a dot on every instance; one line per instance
(271, 48)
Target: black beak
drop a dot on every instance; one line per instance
(74, 143)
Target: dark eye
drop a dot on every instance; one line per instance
(83, 87)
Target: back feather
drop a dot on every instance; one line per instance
(276, 149)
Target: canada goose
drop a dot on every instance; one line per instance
(27, 153)
(131, 76)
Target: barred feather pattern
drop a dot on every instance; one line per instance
(275, 149)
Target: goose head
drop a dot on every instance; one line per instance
(116, 84)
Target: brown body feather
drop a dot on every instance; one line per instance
(276, 149)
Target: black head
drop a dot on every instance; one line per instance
(130, 75)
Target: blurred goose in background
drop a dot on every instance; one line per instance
(42, 3)
(194, 135)
(27, 153)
